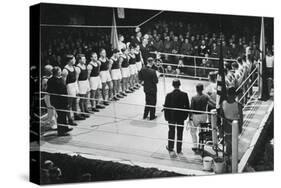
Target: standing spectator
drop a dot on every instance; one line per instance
(51, 113)
(56, 85)
(199, 102)
(149, 78)
(269, 65)
(145, 50)
(211, 91)
(176, 99)
(232, 111)
(138, 39)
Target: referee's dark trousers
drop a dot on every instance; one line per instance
(150, 80)
(150, 99)
(179, 100)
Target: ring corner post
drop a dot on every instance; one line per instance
(235, 132)
(214, 128)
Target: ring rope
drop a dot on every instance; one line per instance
(134, 135)
(150, 18)
(248, 77)
(183, 76)
(189, 66)
(132, 104)
(245, 93)
(87, 26)
(124, 118)
(191, 56)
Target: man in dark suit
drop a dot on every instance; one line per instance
(176, 99)
(56, 85)
(149, 78)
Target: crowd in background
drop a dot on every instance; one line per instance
(173, 37)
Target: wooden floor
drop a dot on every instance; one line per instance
(119, 134)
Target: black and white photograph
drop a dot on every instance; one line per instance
(122, 93)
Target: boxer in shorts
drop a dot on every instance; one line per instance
(105, 77)
(124, 61)
(83, 84)
(95, 82)
(115, 74)
(69, 74)
(139, 63)
(132, 68)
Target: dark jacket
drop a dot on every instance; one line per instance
(57, 86)
(176, 99)
(149, 77)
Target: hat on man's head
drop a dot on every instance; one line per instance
(176, 83)
(150, 60)
(213, 75)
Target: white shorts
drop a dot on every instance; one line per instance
(125, 72)
(199, 118)
(95, 83)
(139, 65)
(83, 86)
(116, 74)
(105, 76)
(133, 69)
(72, 89)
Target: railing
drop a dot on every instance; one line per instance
(193, 66)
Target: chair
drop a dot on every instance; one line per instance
(205, 136)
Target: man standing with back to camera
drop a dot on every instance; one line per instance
(56, 85)
(149, 78)
(176, 99)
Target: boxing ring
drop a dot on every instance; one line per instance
(118, 133)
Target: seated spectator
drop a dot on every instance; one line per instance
(52, 174)
(158, 44)
(214, 51)
(175, 45)
(180, 68)
(167, 45)
(170, 70)
(233, 51)
(186, 47)
(203, 49)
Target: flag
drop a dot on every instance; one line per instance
(121, 13)
(114, 35)
(221, 91)
(262, 71)
(221, 88)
